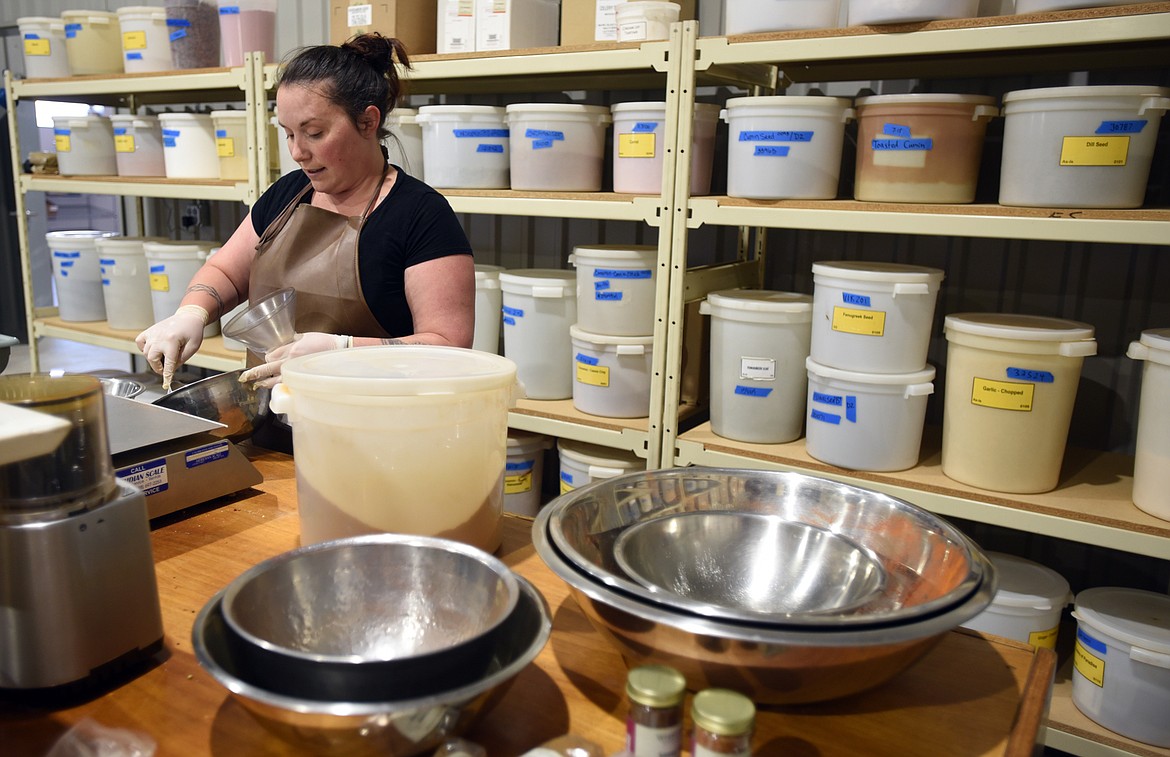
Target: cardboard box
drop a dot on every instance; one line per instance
(515, 24)
(587, 22)
(412, 21)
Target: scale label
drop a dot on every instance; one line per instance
(149, 476)
(208, 453)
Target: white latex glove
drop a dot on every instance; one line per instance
(302, 344)
(173, 341)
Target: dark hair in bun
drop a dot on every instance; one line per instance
(354, 75)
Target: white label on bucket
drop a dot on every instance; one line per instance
(591, 373)
(1027, 374)
(752, 391)
(1122, 127)
(633, 30)
(150, 477)
(757, 368)
(636, 145)
(1086, 663)
(1094, 151)
(1003, 395)
(359, 15)
(862, 322)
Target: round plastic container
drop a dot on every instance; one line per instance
(1040, 6)
(77, 275)
(612, 374)
(231, 143)
(638, 149)
(85, 146)
(194, 33)
(866, 421)
(1121, 664)
(759, 342)
(785, 146)
(1029, 599)
(615, 288)
(247, 26)
(524, 472)
(43, 41)
(125, 276)
(93, 42)
(488, 301)
(920, 147)
(1080, 147)
(405, 438)
(873, 317)
(539, 306)
(138, 149)
(172, 265)
(146, 40)
(645, 20)
(751, 16)
(1011, 385)
(1151, 465)
(907, 11)
(405, 143)
(556, 146)
(189, 149)
(464, 146)
(583, 463)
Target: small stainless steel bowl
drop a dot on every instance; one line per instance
(121, 387)
(399, 727)
(369, 618)
(243, 408)
(267, 324)
(748, 566)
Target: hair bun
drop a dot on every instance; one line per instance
(377, 51)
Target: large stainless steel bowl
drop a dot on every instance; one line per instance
(242, 408)
(394, 728)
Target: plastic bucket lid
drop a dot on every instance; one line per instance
(177, 250)
(1138, 618)
(887, 380)
(925, 98)
(398, 371)
(402, 116)
(818, 105)
(80, 122)
(758, 306)
(129, 120)
(560, 111)
(878, 273)
(229, 115)
(653, 109)
(487, 276)
(125, 245)
(41, 22)
(602, 341)
(1033, 334)
(1026, 585)
(595, 456)
(615, 254)
(95, 17)
(459, 113)
(1083, 93)
(540, 282)
(142, 13)
(525, 443)
(1153, 345)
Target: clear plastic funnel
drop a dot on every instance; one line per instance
(267, 324)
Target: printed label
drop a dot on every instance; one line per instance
(636, 145)
(518, 483)
(1044, 639)
(757, 368)
(605, 21)
(857, 300)
(150, 477)
(160, 282)
(1026, 374)
(652, 742)
(225, 147)
(544, 134)
(752, 391)
(775, 136)
(1122, 127)
(33, 46)
(489, 148)
(66, 254)
(1003, 395)
(861, 322)
(1094, 151)
(134, 40)
(823, 417)
(771, 151)
(207, 454)
(1086, 663)
(359, 15)
(593, 375)
(480, 133)
(62, 141)
(124, 143)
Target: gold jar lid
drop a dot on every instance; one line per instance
(655, 686)
(723, 712)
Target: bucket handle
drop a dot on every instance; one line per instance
(98, 20)
(848, 115)
(548, 292)
(704, 308)
(280, 401)
(1139, 351)
(1154, 103)
(909, 288)
(1082, 348)
(630, 349)
(600, 471)
(918, 390)
(985, 111)
(1156, 659)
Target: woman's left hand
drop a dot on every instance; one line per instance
(268, 375)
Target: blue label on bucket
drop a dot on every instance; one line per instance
(645, 127)
(771, 151)
(622, 273)
(600, 285)
(1027, 374)
(178, 34)
(66, 264)
(836, 400)
(752, 391)
(586, 359)
(1090, 642)
(541, 144)
(544, 134)
(823, 417)
(229, 10)
(509, 321)
(480, 133)
(106, 261)
(903, 144)
(119, 131)
(158, 269)
(896, 130)
(520, 467)
(221, 133)
(30, 35)
(178, 22)
(105, 282)
(170, 132)
(1122, 127)
(512, 312)
(859, 300)
(489, 148)
(169, 142)
(133, 56)
(567, 477)
(776, 136)
(61, 132)
(64, 254)
(71, 30)
(611, 295)
(851, 408)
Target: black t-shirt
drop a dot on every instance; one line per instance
(412, 225)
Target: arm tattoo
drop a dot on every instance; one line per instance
(395, 340)
(211, 291)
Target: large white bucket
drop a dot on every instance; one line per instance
(406, 439)
(1028, 602)
(524, 472)
(908, 11)
(488, 301)
(172, 266)
(464, 146)
(639, 134)
(43, 41)
(231, 143)
(189, 150)
(750, 16)
(539, 306)
(759, 342)
(873, 317)
(126, 281)
(611, 374)
(645, 20)
(146, 40)
(93, 42)
(556, 146)
(85, 146)
(138, 149)
(1151, 465)
(77, 274)
(1040, 6)
(1080, 147)
(785, 146)
(405, 143)
(583, 463)
(616, 288)
(1011, 385)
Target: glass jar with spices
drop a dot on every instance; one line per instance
(723, 721)
(654, 723)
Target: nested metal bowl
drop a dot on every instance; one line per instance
(266, 325)
(116, 386)
(396, 727)
(369, 617)
(242, 408)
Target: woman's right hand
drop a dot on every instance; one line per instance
(173, 341)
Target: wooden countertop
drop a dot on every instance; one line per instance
(971, 695)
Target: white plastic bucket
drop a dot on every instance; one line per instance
(43, 42)
(1080, 147)
(920, 147)
(1028, 602)
(751, 16)
(231, 143)
(189, 150)
(611, 374)
(583, 463)
(146, 40)
(93, 42)
(85, 146)
(405, 439)
(524, 472)
(759, 342)
(1121, 663)
(172, 265)
(866, 421)
(1151, 465)
(639, 131)
(645, 19)
(488, 301)
(539, 306)
(556, 146)
(405, 143)
(785, 146)
(125, 276)
(138, 149)
(1011, 385)
(464, 146)
(873, 317)
(907, 11)
(247, 26)
(616, 288)
(1040, 6)
(77, 275)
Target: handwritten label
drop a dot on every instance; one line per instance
(775, 136)
(771, 151)
(1122, 127)
(752, 391)
(1027, 374)
(857, 300)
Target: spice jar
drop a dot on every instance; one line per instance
(654, 723)
(723, 722)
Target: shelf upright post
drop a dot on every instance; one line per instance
(21, 221)
(256, 102)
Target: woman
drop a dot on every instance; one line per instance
(375, 255)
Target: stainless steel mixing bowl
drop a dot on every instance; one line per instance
(394, 728)
(748, 566)
(121, 387)
(369, 617)
(243, 408)
(266, 325)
